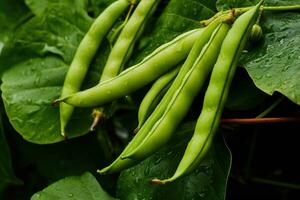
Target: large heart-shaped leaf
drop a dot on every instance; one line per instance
(38, 59)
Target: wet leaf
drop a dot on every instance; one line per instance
(274, 63)
(74, 187)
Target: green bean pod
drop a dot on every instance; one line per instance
(153, 66)
(120, 164)
(85, 53)
(155, 94)
(123, 47)
(182, 99)
(216, 94)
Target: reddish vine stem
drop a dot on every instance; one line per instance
(261, 120)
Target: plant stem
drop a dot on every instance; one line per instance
(261, 120)
(270, 108)
(281, 8)
(270, 8)
(276, 183)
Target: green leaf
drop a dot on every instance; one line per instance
(74, 187)
(39, 7)
(274, 63)
(227, 4)
(46, 164)
(7, 176)
(179, 16)
(12, 12)
(38, 59)
(207, 182)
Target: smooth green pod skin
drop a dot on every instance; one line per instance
(120, 164)
(216, 94)
(193, 54)
(85, 53)
(123, 47)
(153, 66)
(182, 99)
(155, 94)
(127, 38)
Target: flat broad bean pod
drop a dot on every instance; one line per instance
(85, 53)
(153, 66)
(155, 94)
(216, 94)
(181, 101)
(120, 164)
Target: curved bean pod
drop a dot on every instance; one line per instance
(155, 94)
(216, 94)
(153, 66)
(127, 38)
(120, 164)
(123, 47)
(85, 53)
(182, 99)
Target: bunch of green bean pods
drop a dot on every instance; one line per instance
(199, 68)
(177, 70)
(120, 163)
(150, 68)
(85, 53)
(155, 94)
(123, 47)
(216, 93)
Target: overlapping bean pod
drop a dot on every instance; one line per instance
(120, 164)
(150, 68)
(199, 68)
(216, 93)
(123, 47)
(155, 94)
(85, 53)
